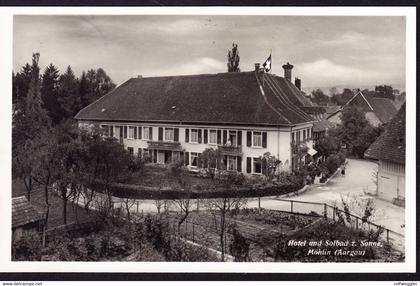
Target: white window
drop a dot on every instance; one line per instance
(232, 138)
(213, 137)
(257, 139)
(257, 166)
(194, 135)
(169, 134)
(146, 133)
(194, 159)
(231, 163)
(131, 132)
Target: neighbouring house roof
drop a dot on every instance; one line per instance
(390, 146)
(322, 125)
(224, 98)
(330, 109)
(383, 108)
(23, 212)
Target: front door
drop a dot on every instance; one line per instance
(168, 156)
(161, 157)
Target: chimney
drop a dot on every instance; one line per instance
(298, 83)
(288, 71)
(257, 67)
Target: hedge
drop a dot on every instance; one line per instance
(152, 193)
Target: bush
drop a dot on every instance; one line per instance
(28, 248)
(239, 246)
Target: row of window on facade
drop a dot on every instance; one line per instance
(192, 135)
(302, 135)
(254, 165)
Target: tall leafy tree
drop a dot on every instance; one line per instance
(30, 123)
(98, 83)
(49, 92)
(68, 94)
(21, 85)
(233, 59)
(319, 97)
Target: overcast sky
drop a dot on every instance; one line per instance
(326, 51)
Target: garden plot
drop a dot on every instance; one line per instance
(261, 228)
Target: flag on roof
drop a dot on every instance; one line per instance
(267, 64)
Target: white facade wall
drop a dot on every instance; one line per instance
(391, 181)
(278, 140)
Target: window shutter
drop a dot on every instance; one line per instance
(187, 135)
(239, 138)
(125, 131)
(187, 158)
(248, 164)
(238, 163)
(150, 133)
(176, 134)
(224, 136)
(264, 139)
(219, 137)
(199, 135)
(139, 133)
(199, 161)
(248, 138)
(135, 132)
(155, 156)
(160, 137)
(205, 136)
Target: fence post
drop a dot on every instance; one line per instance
(325, 211)
(291, 206)
(387, 235)
(198, 205)
(357, 223)
(137, 202)
(259, 203)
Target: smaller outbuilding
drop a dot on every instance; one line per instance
(389, 150)
(26, 219)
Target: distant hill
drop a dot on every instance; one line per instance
(326, 89)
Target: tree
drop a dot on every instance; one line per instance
(68, 97)
(355, 131)
(211, 161)
(30, 125)
(269, 165)
(220, 208)
(343, 97)
(329, 144)
(385, 91)
(239, 246)
(319, 97)
(179, 173)
(233, 59)
(49, 92)
(20, 85)
(104, 163)
(94, 84)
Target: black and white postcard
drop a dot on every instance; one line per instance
(217, 139)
